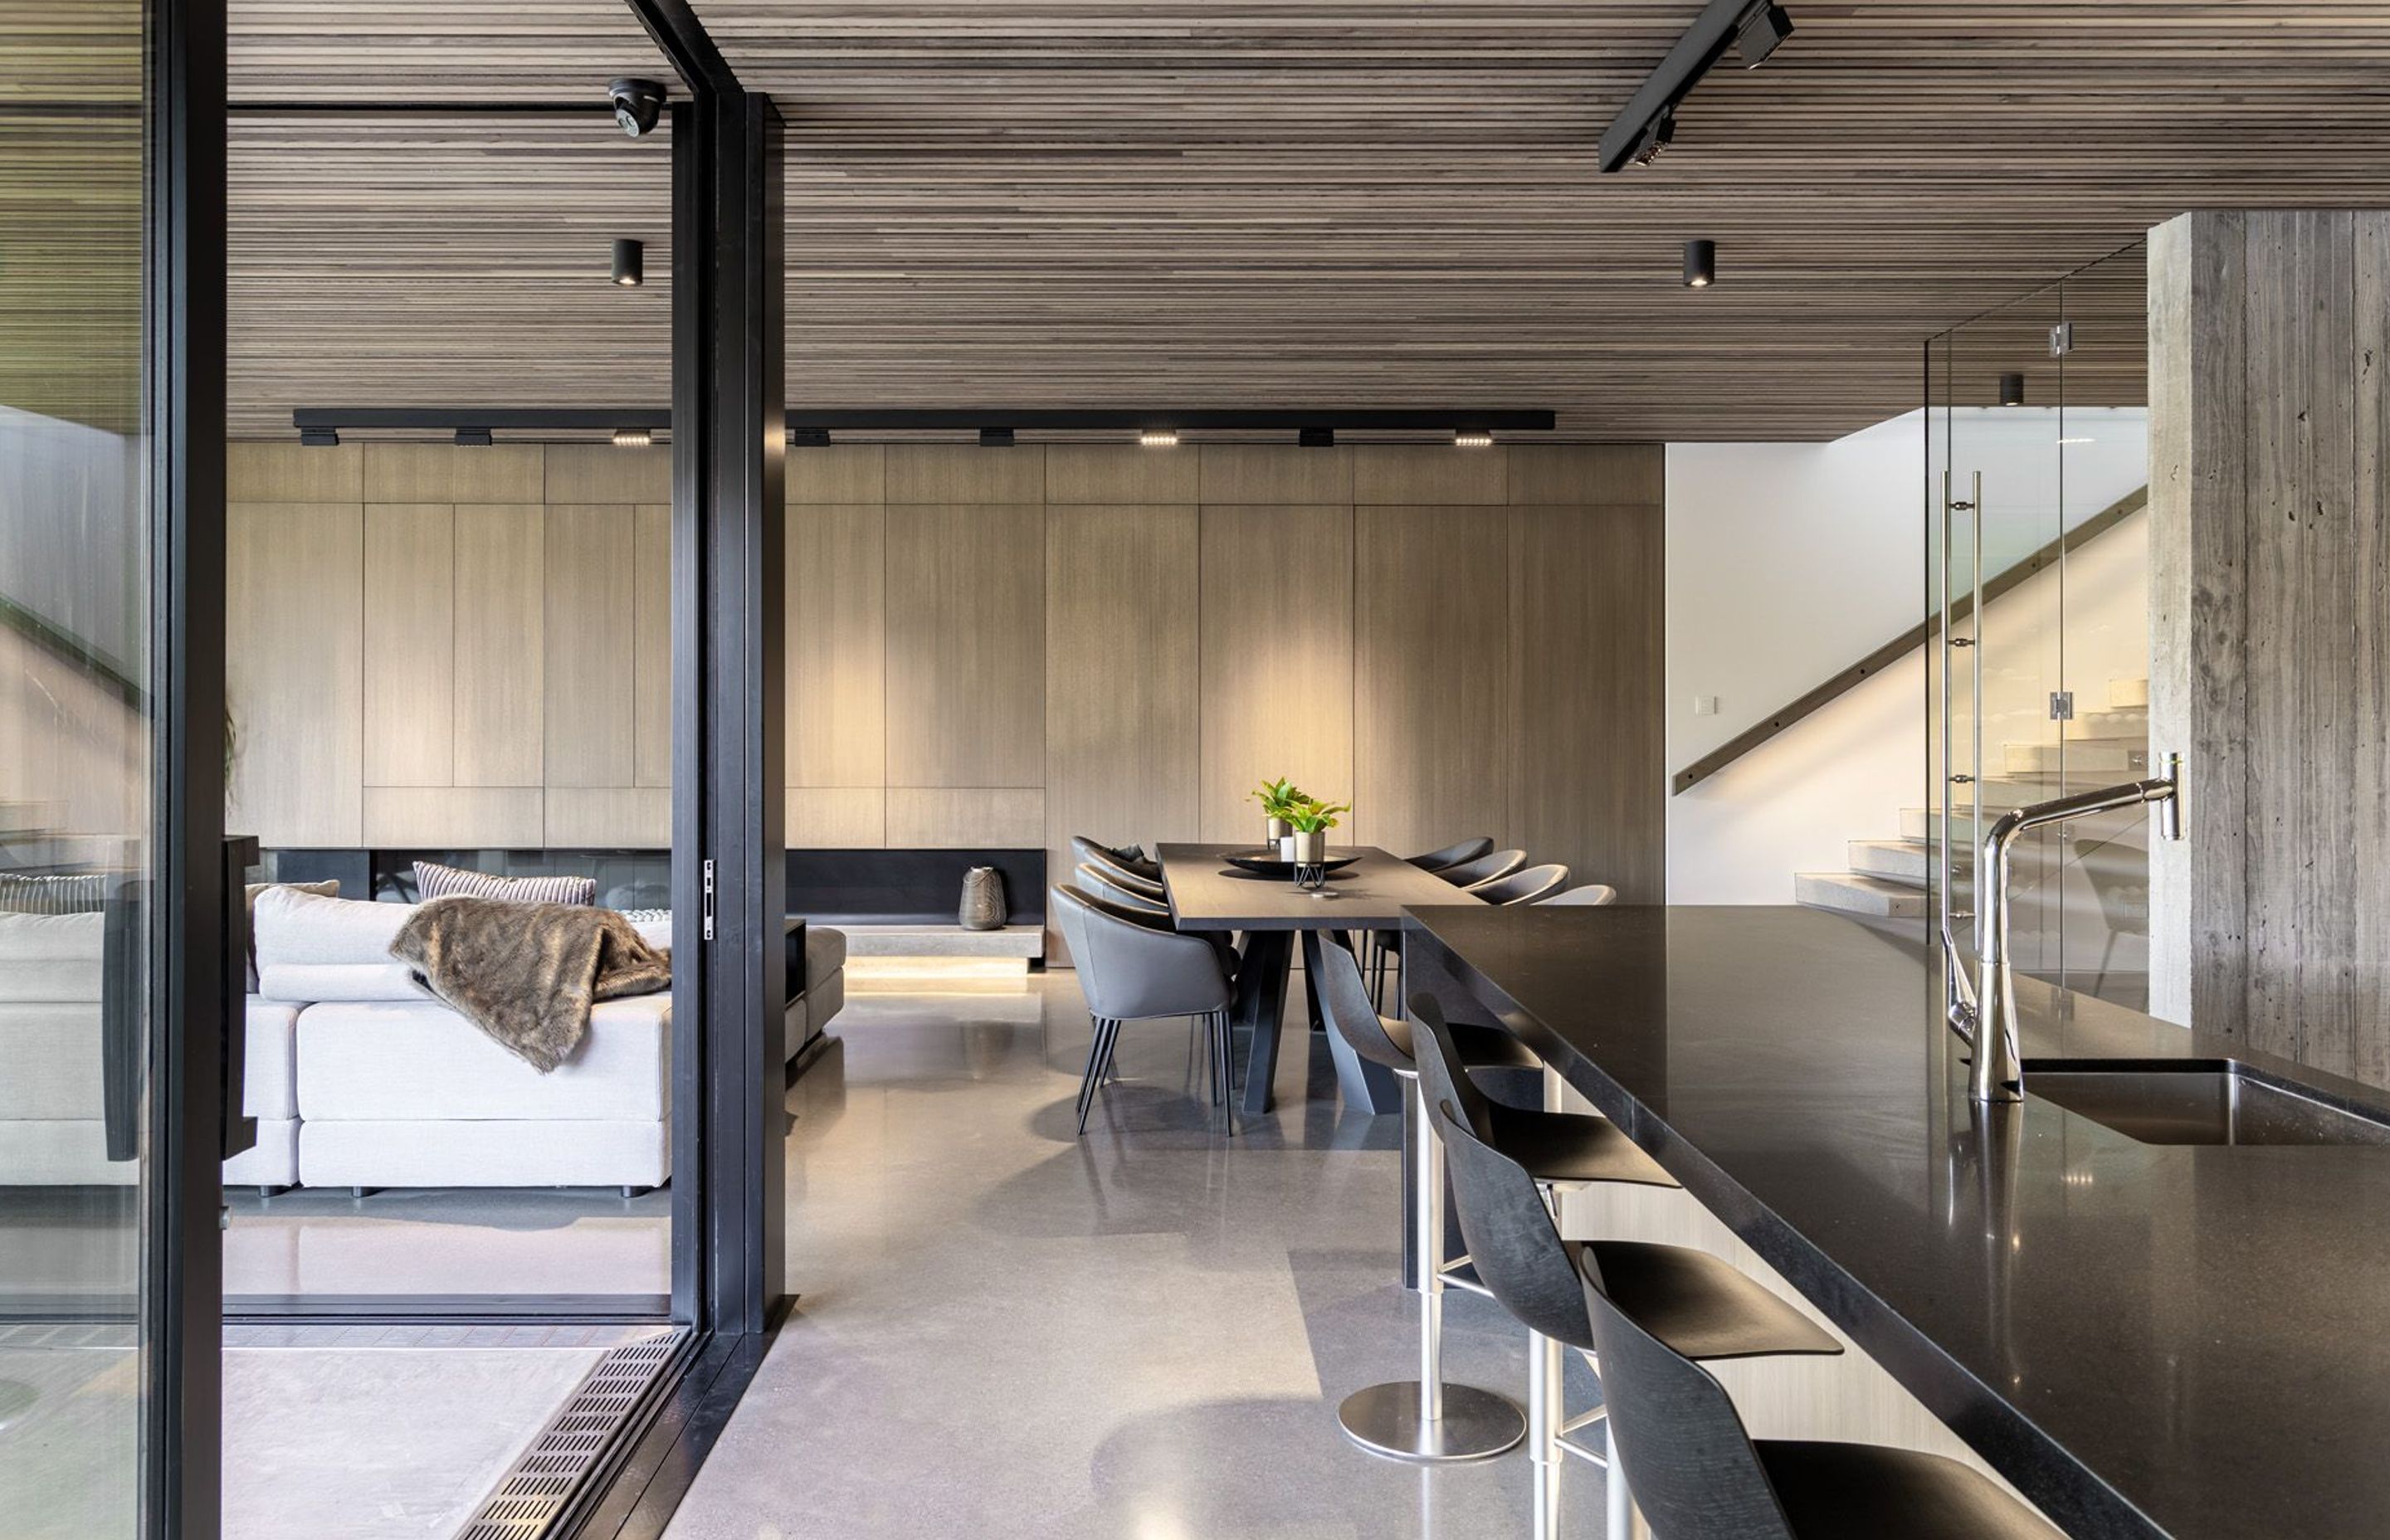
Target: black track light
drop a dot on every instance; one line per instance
(1316, 438)
(995, 437)
(2012, 390)
(321, 438)
(1700, 264)
(633, 438)
(473, 438)
(1762, 27)
(630, 263)
(808, 438)
(1657, 137)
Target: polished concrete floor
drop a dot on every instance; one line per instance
(492, 1240)
(1004, 1330)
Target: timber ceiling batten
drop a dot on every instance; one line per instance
(1108, 203)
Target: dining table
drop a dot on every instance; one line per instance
(1205, 892)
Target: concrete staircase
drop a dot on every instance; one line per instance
(1891, 878)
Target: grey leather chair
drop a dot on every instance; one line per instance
(1699, 1475)
(1093, 880)
(1505, 1166)
(1132, 971)
(1592, 893)
(1090, 853)
(1500, 863)
(1522, 886)
(1452, 855)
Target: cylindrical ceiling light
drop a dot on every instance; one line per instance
(633, 438)
(1158, 437)
(1472, 438)
(630, 263)
(2012, 390)
(1700, 264)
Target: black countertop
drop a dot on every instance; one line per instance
(2147, 1340)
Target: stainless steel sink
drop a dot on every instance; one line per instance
(2209, 1101)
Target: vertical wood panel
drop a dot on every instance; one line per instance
(651, 644)
(966, 644)
(1417, 473)
(1277, 657)
(839, 473)
(1119, 473)
(586, 693)
(449, 473)
(285, 472)
(1430, 731)
(1587, 673)
(501, 647)
(295, 645)
(837, 817)
(964, 473)
(838, 644)
(468, 817)
(1121, 634)
(410, 644)
(1271, 473)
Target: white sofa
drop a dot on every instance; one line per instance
(53, 1130)
(355, 1077)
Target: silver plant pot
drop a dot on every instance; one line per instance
(1306, 849)
(1276, 831)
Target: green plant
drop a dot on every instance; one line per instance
(1279, 798)
(1312, 817)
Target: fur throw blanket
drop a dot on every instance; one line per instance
(527, 973)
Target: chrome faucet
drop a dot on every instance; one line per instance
(1985, 1013)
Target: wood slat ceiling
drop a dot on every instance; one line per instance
(435, 50)
(1283, 203)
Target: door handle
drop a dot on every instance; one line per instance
(240, 1128)
(123, 1005)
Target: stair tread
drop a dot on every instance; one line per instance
(1856, 893)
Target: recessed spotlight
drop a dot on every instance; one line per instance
(995, 437)
(633, 438)
(321, 438)
(1700, 264)
(2012, 390)
(630, 263)
(1158, 437)
(1472, 438)
(473, 438)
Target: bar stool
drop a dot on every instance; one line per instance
(1452, 855)
(1699, 1475)
(1503, 1190)
(1386, 947)
(1134, 970)
(1527, 885)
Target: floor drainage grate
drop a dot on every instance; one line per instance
(529, 1497)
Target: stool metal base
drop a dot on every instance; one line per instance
(1476, 1424)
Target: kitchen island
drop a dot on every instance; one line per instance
(2144, 1339)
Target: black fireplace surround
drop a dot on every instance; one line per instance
(829, 887)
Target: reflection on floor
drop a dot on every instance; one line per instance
(1004, 1330)
(498, 1241)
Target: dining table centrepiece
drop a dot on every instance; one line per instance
(1277, 798)
(1306, 846)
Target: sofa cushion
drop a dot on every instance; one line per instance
(419, 1059)
(435, 880)
(329, 887)
(55, 893)
(54, 957)
(446, 1153)
(312, 948)
(824, 954)
(272, 1161)
(51, 1051)
(270, 1061)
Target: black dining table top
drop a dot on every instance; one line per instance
(1206, 894)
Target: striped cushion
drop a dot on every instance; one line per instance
(79, 894)
(433, 881)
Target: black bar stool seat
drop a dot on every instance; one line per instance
(1571, 1147)
(1481, 1048)
(1836, 1489)
(1698, 1304)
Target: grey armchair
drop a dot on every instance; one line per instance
(1121, 873)
(1452, 855)
(1131, 971)
(1500, 863)
(1094, 880)
(1522, 886)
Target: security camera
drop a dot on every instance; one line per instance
(638, 104)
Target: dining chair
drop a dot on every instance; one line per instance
(1090, 853)
(1452, 855)
(1592, 893)
(1522, 886)
(1131, 971)
(1500, 863)
(1093, 880)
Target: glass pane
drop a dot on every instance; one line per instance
(2103, 448)
(74, 766)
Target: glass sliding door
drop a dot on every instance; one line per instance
(106, 1429)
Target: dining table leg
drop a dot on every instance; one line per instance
(1261, 1010)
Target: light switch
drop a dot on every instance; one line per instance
(1705, 705)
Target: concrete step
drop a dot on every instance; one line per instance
(1852, 893)
(2128, 695)
(2120, 757)
(1907, 861)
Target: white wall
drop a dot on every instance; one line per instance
(1787, 563)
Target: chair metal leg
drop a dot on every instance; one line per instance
(1620, 1498)
(1224, 1057)
(1427, 1421)
(1099, 1055)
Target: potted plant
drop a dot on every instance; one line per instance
(1278, 799)
(1306, 843)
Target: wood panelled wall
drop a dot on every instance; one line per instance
(1012, 646)
(2270, 538)
(436, 646)
(444, 646)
